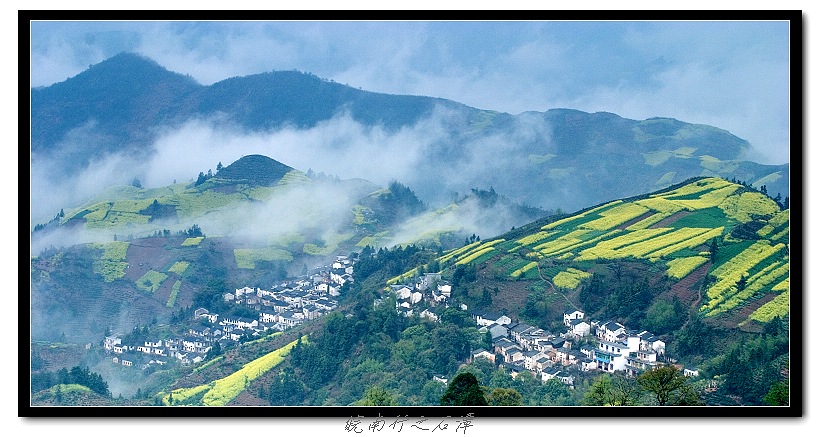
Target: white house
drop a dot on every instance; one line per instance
(650, 341)
(531, 358)
(490, 317)
(110, 342)
(445, 289)
(429, 315)
(610, 331)
(575, 315)
(266, 317)
(579, 328)
(611, 356)
(482, 353)
(557, 374)
(244, 291)
(403, 293)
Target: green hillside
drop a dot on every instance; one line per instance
(734, 236)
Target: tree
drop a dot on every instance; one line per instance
(713, 250)
(219, 166)
(668, 385)
(463, 390)
(505, 397)
(612, 390)
(488, 340)
(741, 283)
(778, 394)
(376, 396)
(552, 392)
(600, 393)
(665, 316)
(486, 299)
(215, 351)
(774, 327)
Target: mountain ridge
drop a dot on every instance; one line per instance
(559, 158)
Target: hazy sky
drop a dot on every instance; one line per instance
(733, 75)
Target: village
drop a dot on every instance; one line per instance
(283, 306)
(585, 345)
(519, 347)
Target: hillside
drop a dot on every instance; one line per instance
(134, 255)
(717, 247)
(561, 158)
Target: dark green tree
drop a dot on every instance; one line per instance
(215, 351)
(612, 390)
(464, 390)
(778, 394)
(668, 386)
(505, 397)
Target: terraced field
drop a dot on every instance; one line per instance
(111, 265)
(676, 229)
(224, 390)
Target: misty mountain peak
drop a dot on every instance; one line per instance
(129, 68)
(255, 170)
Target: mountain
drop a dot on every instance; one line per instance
(254, 170)
(121, 100)
(561, 158)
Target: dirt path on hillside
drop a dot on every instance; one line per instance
(669, 220)
(645, 215)
(687, 289)
(555, 290)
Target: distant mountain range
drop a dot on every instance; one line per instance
(560, 158)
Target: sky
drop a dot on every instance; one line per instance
(733, 75)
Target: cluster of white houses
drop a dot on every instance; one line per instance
(429, 289)
(283, 306)
(528, 348)
(521, 347)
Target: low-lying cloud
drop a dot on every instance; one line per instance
(419, 156)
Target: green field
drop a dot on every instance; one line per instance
(247, 258)
(777, 307)
(179, 267)
(151, 281)
(570, 279)
(192, 241)
(172, 298)
(111, 265)
(681, 267)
